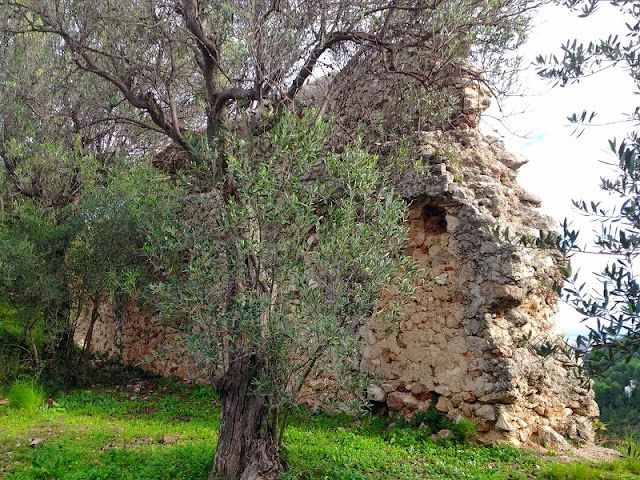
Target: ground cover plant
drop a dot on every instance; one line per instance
(149, 429)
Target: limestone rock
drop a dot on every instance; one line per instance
(376, 393)
(506, 422)
(168, 439)
(395, 401)
(35, 442)
(486, 412)
(549, 437)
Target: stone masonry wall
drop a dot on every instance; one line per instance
(130, 335)
(465, 340)
(464, 343)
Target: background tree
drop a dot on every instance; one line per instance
(283, 255)
(62, 178)
(616, 309)
(54, 262)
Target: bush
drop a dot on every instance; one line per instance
(435, 420)
(432, 418)
(26, 395)
(464, 430)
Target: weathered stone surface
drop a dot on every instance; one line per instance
(549, 437)
(395, 401)
(444, 434)
(35, 442)
(506, 422)
(168, 439)
(486, 412)
(376, 394)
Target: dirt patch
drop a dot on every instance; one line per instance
(592, 453)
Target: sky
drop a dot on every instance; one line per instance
(534, 124)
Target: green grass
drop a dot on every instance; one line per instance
(622, 469)
(109, 433)
(26, 395)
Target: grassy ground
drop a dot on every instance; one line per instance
(169, 432)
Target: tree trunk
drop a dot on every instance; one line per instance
(86, 348)
(247, 445)
(58, 349)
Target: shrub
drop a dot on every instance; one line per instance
(432, 418)
(26, 395)
(464, 430)
(435, 420)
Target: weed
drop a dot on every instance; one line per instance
(619, 469)
(432, 418)
(26, 395)
(631, 444)
(465, 430)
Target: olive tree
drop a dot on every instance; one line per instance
(279, 276)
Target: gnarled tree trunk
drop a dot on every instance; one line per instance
(58, 346)
(247, 445)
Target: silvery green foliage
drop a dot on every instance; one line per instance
(287, 266)
(185, 65)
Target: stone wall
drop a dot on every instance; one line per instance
(464, 342)
(129, 334)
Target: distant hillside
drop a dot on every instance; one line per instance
(618, 412)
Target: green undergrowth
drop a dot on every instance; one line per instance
(26, 395)
(169, 431)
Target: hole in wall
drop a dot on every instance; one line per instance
(434, 218)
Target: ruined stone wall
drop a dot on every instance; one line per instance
(131, 335)
(465, 341)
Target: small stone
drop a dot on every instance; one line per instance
(170, 439)
(411, 402)
(441, 279)
(504, 423)
(452, 222)
(4, 401)
(444, 434)
(119, 429)
(444, 404)
(391, 426)
(35, 442)
(395, 401)
(376, 393)
(420, 392)
(487, 412)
